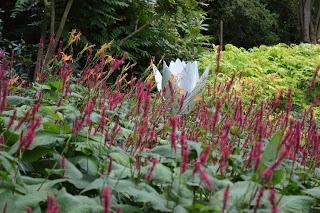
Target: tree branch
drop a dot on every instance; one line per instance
(136, 31)
(60, 29)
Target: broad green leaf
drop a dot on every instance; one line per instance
(35, 154)
(7, 199)
(56, 84)
(240, 193)
(45, 138)
(10, 137)
(30, 200)
(71, 171)
(127, 208)
(314, 192)
(52, 113)
(120, 157)
(19, 100)
(294, 204)
(166, 151)
(45, 185)
(271, 150)
(162, 174)
(76, 203)
(179, 209)
(195, 146)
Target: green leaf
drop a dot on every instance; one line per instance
(45, 138)
(30, 200)
(293, 204)
(51, 127)
(162, 174)
(179, 209)
(45, 185)
(240, 193)
(195, 146)
(10, 137)
(127, 208)
(120, 157)
(142, 194)
(35, 154)
(269, 156)
(52, 113)
(314, 192)
(19, 100)
(38, 86)
(71, 171)
(166, 151)
(56, 84)
(7, 199)
(76, 203)
(272, 148)
(54, 128)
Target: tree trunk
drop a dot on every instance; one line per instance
(306, 21)
(313, 33)
(59, 32)
(309, 15)
(62, 23)
(317, 25)
(53, 17)
(300, 12)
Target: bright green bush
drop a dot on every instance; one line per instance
(270, 69)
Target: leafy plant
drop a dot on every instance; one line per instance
(270, 70)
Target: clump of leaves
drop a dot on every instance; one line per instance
(271, 70)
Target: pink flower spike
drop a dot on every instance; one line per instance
(52, 207)
(273, 201)
(204, 157)
(149, 173)
(2, 142)
(267, 174)
(115, 64)
(206, 180)
(12, 118)
(260, 195)
(225, 197)
(106, 199)
(110, 165)
(63, 164)
(184, 152)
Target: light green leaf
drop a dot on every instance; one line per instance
(295, 204)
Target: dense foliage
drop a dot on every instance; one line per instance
(249, 23)
(71, 142)
(144, 28)
(271, 71)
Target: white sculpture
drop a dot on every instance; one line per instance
(184, 78)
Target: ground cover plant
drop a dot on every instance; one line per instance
(272, 70)
(73, 142)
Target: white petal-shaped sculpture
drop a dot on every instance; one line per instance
(189, 77)
(184, 78)
(188, 103)
(158, 78)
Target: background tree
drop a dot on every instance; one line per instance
(309, 11)
(247, 23)
(143, 28)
